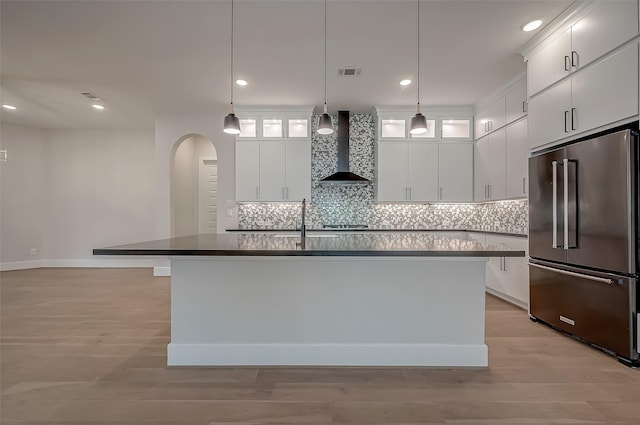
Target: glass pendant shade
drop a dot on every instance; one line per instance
(418, 124)
(232, 124)
(325, 125)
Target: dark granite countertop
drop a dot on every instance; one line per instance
(387, 244)
(368, 229)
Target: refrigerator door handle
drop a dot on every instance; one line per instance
(554, 231)
(580, 275)
(565, 175)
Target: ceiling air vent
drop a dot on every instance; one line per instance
(349, 71)
(91, 96)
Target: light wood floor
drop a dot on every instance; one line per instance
(88, 346)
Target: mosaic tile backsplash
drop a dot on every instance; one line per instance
(356, 205)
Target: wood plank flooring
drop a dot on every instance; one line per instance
(88, 347)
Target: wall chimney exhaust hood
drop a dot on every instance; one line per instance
(344, 177)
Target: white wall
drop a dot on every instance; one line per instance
(100, 191)
(22, 196)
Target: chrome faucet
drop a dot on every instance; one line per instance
(303, 226)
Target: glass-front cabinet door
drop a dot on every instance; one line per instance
(393, 128)
(248, 128)
(455, 128)
(298, 128)
(272, 128)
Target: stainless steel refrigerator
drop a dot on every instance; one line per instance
(583, 241)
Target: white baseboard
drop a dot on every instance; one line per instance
(88, 263)
(20, 265)
(508, 298)
(442, 355)
(162, 271)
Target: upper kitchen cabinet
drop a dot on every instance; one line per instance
(601, 94)
(424, 172)
(505, 106)
(444, 123)
(516, 102)
(489, 165)
(490, 119)
(455, 172)
(273, 154)
(407, 171)
(283, 123)
(517, 158)
(273, 171)
(591, 31)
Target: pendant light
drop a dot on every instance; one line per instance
(231, 122)
(419, 121)
(325, 125)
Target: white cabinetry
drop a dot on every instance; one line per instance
(491, 119)
(517, 154)
(508, 277)
(273, 171)
(273, 154)
(455, 172)
(510, 106)
(490, 167)
(412, 171)
(602, 27)
(407, 171)
(247, 171)
(516, 102)
(603, 93)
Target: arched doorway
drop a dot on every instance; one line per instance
(194, 186)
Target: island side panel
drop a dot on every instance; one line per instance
(327, 311)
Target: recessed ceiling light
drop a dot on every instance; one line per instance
(532, 25)
(98, 107)
(241, 82)
(405, 82)
(5, 106)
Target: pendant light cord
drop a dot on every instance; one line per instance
(325, 56)
(231, 56)
(418, 52)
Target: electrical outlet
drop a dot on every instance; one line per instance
(3, 155)
(229, 212)
(34, 251)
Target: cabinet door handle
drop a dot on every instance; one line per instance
(574, 59)
(410, 193)
(490, 125)
(567, 63)
(524, 106)
(489, 191)
(566, 118)
(573, 118)
(524, 190)
(287, 187)
(486, 126)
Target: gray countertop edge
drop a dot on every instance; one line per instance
(517, 235)
(305, 253)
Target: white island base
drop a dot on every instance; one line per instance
(327, 310)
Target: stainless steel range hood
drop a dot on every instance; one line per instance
(344, 177)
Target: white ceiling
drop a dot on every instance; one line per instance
(150, 58)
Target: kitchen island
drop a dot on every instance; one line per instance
(374, 299)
